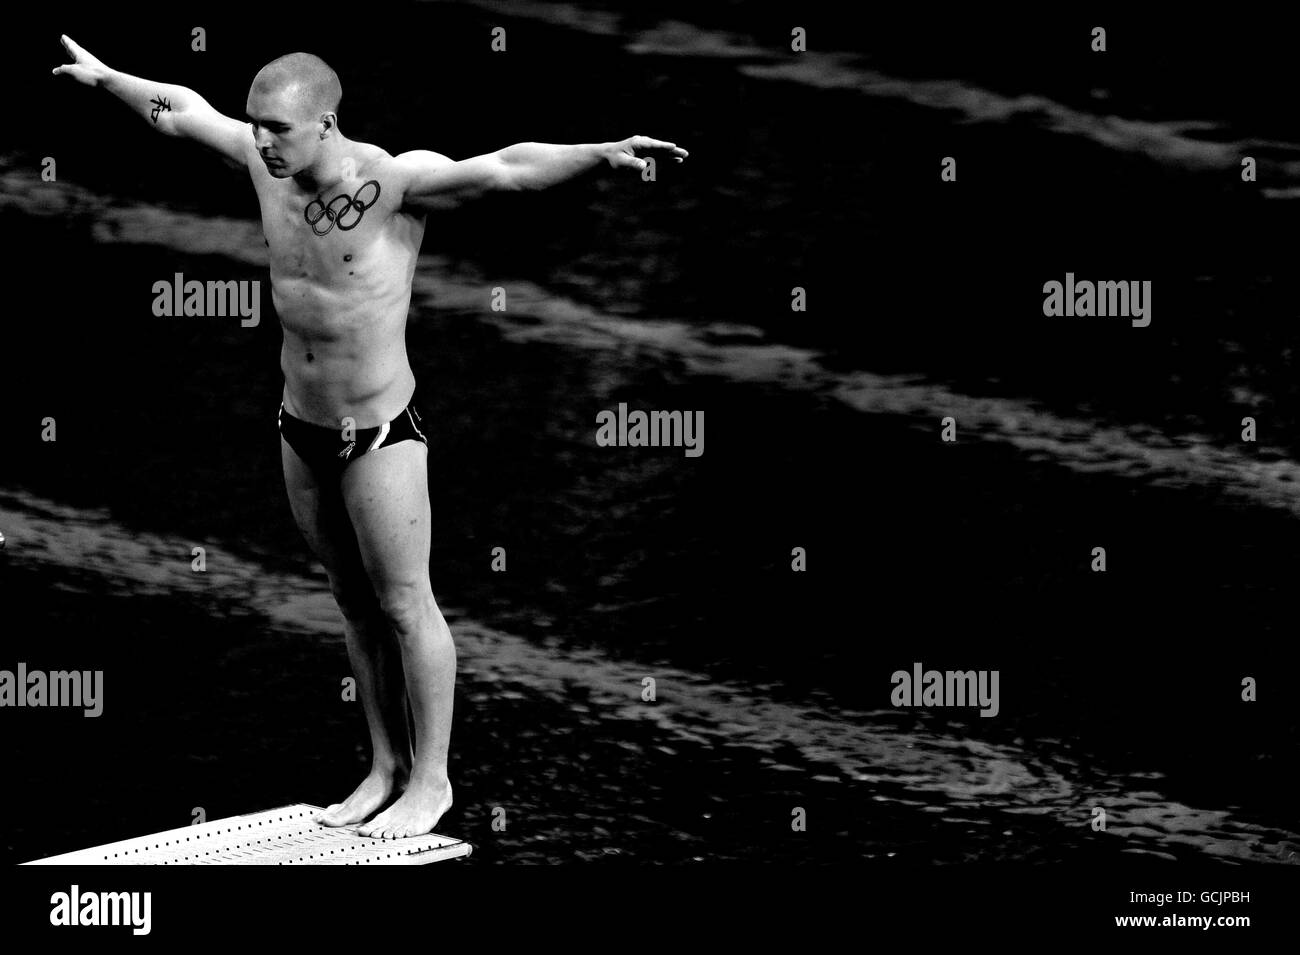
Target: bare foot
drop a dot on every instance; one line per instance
(373, 792)
(415, 813)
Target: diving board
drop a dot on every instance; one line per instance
(284, 836)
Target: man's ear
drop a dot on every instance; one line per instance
(329, 123)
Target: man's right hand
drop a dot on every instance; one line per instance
(169, 109)
(84, 68)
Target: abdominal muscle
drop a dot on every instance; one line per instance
(357, 342)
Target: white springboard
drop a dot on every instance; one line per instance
(284, 836)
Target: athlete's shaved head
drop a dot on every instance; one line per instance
(293, 110)
(311, 86)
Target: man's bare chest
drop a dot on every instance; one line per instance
(304, 231)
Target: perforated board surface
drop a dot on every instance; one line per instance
(284, 836)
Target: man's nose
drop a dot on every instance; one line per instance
(263, 140)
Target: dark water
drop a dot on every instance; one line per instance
(1118, 691)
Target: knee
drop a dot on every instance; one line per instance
(408, 608)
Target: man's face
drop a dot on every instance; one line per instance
(287, 139)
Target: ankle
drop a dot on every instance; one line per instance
(391, 770)
(431, 780)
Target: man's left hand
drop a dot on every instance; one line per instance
(624, 154)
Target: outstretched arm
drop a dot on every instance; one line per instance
(172, 110)
(435, 182)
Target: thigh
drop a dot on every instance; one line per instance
(322, 517)
(386, 492)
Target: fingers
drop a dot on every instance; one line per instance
(84, 68)
(645, 142)
(626, 152)
(74, 49)
(71, 49)
(649, 143)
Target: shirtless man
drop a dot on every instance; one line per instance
(343, 222)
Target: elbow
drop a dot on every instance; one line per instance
(509, 179)
(171, 117)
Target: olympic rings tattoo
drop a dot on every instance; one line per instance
(336, 216)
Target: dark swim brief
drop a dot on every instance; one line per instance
(327, 454)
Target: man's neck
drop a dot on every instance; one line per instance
(327, 171)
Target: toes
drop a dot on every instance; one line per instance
(328, 814)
